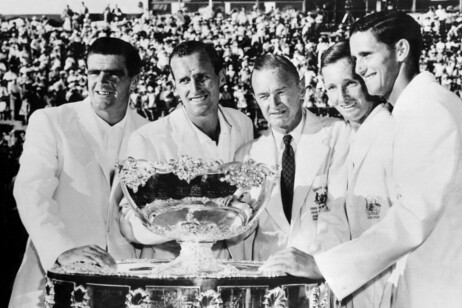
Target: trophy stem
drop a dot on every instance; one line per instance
(198, 257)
(195, 259)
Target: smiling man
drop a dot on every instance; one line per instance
(67, 167)
(368, 196)
(311, 152)
(198, 128)
(424, 224)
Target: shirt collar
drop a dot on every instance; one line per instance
(296, 133)
(225, 126)
(105, 126)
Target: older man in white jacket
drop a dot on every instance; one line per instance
(318, 149)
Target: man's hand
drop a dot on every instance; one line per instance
(91, 253)
(294, 262)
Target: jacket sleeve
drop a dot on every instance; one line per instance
(424, 167)
(34, 188)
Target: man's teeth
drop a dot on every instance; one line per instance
(348, 106)
(198, 98)
(369, 76)
(104, 92)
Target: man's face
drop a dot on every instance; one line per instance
(197, 84)
(376, 63)
(278, 95)
(108, 81)
(345, 91)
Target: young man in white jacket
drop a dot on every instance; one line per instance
(67, 168)
(370, 191)
(198, 128)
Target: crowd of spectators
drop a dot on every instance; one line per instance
(442, 29)
(42, 60)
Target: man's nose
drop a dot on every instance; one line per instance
(195, 85)
(341, 97)
(274, 100)
(103, 77)
(360, 68)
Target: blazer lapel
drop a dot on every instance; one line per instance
(312, 155)
(130, 126)
(367, 133)
(89, 129)
(265, 151)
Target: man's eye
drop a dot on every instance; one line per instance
(263, 97)
(350, 84)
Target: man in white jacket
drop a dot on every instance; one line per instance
(316, 147)
(425, 222)
(67, 167)
(370, 192)
(198, 128)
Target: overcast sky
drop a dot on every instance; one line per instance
(8, 7)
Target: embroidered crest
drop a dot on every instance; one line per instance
(320, 197)
(373, 207)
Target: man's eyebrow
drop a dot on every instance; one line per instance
(363, 53)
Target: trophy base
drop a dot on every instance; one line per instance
(133, 285)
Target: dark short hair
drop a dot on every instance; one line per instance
(271, 61)
(391, 26)
(191, 47)
(115, 46)
(336, 52)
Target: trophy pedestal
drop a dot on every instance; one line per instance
(135, 285)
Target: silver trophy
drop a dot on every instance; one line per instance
(197, 203)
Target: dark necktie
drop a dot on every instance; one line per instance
(287, 177)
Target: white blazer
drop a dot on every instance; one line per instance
(62, 193)
(369, 197)
(173, 136)
(319, 159)
(426, 220)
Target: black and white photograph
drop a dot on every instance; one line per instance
(231, 154)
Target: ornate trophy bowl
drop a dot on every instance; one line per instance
(197, 203)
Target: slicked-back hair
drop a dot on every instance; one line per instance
(336, 52)
(191, 47)
(271, 61)
(391, 26)
(115, 46)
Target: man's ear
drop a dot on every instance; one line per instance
(302, 86)
(134, 82)
(402, 49)
(222, 77)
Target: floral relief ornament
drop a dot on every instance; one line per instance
(80, 298)
(318, 295)
(138, 298)
(49, 293)
(208, 299)
(276, 298)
